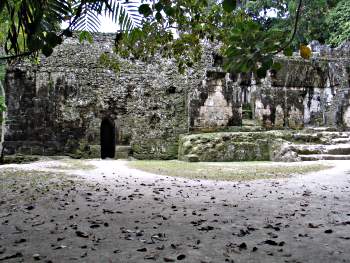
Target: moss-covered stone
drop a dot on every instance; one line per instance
(87, 151)
(226, 146)
(155, 149)
(192, 158)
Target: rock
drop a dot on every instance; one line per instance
(242, 246)
(282, 151)
(81, 234)
(315, 46)
(192, 158)
(271, 242)
(181, 257)
(168, 259)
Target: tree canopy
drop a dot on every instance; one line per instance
(249, 32)
(338, 22)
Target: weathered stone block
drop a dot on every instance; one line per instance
(192, 158)
(225, 147)
(282, 151)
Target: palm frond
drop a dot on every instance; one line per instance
(30, 21)
(35, 25)
(87, 21)
(124, 13)
(59, 9)
(86, 16)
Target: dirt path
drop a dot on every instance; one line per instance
(116, 214)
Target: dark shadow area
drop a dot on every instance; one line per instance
(107, 139)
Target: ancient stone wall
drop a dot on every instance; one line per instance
(214, 104)
(57, 106)
(303, 93)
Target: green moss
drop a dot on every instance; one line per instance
(173, 150)
(107, 61)
(247, 112)
(155, 149)
(136, 148)
(248, 146)
(2, 71)
(86, 151)
(18, 158)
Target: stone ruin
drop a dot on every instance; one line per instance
(70, 103)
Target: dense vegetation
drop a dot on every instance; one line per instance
(250, 31)
(338, 22)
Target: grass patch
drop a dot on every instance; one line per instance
(18, 158)
(236, 171)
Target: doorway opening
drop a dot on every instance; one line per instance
(107, 136)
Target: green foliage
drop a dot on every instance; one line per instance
(312, 24)
(2, 72)
(246, 44)
(229, 5)
(2, 104)
(4, 25)
(251, 47)
(249, 38)
(123, 13)
(109, 62)
(145, 10)
(34, 26)
(338, 22)
(85, 35)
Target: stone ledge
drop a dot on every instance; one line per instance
(277, 145)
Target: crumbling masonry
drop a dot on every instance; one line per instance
(64, 104)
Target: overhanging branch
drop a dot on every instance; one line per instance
(294, 30)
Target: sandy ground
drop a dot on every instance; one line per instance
(116, 214)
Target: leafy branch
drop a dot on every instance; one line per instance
(34, 26)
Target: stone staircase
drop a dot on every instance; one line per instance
(322, 144)
(309, 144)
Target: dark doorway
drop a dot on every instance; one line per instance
(107, 139)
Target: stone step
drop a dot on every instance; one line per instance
(342, 135)
(338, 149)
(306, 137)
(249, 122)
(326, 137)
(320, 129)
(122, 148)
(317, 157)
(340, 140)
(122, 151)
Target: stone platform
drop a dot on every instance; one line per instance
(275, 145)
